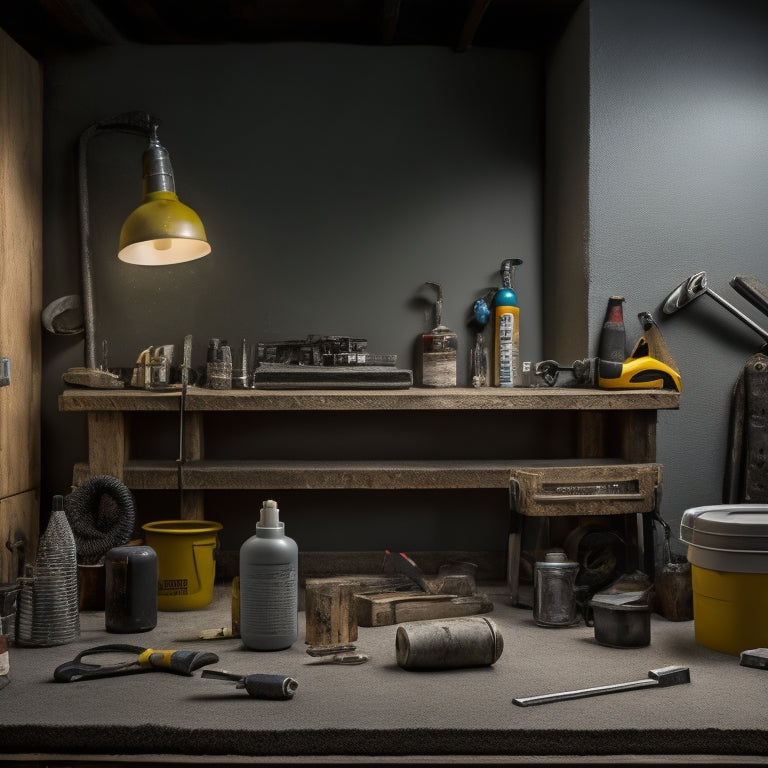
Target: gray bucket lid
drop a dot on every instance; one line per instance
(727, 537)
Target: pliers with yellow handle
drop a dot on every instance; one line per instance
(142, 660)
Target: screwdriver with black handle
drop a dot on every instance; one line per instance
(257, 686)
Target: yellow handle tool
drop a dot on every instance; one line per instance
(142, 660)
(637, 373)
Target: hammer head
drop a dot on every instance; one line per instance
(670, 675)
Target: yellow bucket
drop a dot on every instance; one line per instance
(728, 552)
(730, 610)
(186, 565)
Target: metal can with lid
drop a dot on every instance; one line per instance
(554, 603)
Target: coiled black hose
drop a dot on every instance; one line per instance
(102, 514)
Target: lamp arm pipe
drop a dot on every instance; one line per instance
(143, 124)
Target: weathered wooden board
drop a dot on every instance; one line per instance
(330, 610)
(331, 603)
(19, 532)
(384, 609)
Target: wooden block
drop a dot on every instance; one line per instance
(330, 616)
(331, 610)
(93, 378)
(329, 606)
(384, 609)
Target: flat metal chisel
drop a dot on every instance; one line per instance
(665, 676)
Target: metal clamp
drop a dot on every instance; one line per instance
(5, 371)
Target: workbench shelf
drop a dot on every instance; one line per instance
(448, 398)
(628, 415)
(596, 426)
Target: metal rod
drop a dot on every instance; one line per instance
(663, 677)
(142, 124)
(723, 303)
(545, 698)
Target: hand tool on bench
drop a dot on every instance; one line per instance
(652, 343)
(330, 650)
(663, 677)
(649, 365)
(178, 662)
(257, 686)
(346, 658)
(643, 372)
(406, 566)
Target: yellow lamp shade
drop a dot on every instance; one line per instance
(162, 230)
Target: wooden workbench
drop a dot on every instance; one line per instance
(591, 426)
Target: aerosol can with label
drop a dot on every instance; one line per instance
(506, 329)
(269, 585)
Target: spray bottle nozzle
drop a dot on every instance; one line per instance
(270, 515)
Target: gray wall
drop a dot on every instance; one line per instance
(678, 183)
(333, 181)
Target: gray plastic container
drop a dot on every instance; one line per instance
(269, 585)
(727, 537)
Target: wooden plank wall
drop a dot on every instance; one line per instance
(21, 253)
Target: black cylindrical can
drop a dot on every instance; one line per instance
(130, 601)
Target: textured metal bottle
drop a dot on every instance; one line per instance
(269, 594)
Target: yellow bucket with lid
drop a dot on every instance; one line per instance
(728, 552)
(186, 562)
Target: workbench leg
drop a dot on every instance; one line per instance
(638, 436)
(107, 443)
(649, 548)
(192, 504)
(590, 435)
